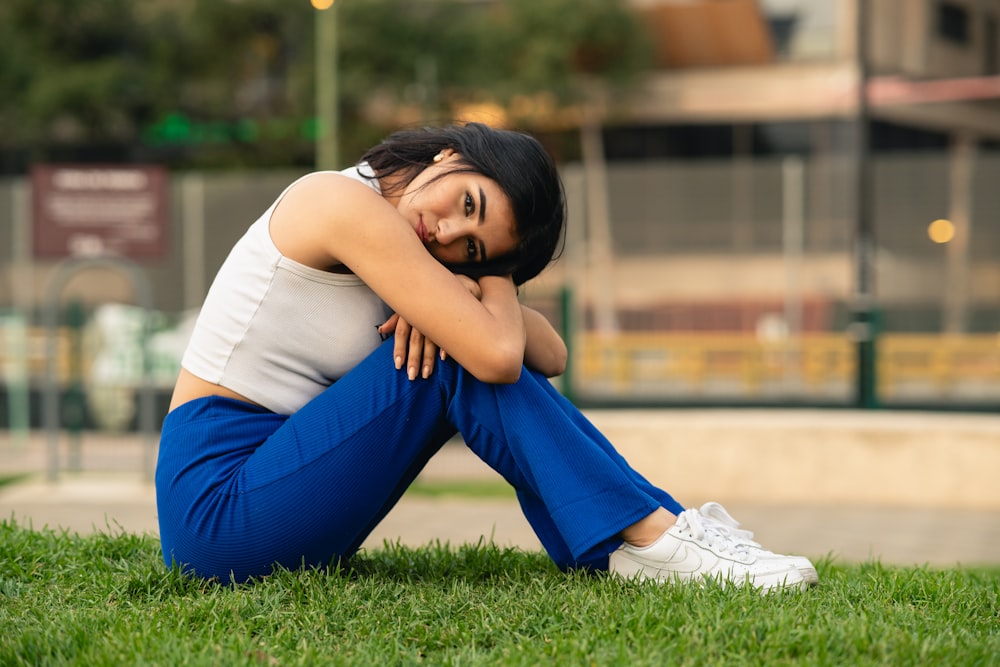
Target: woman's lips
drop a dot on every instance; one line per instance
(422, 231)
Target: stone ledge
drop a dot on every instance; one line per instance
(855, 458)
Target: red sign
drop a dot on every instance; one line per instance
(88, 210)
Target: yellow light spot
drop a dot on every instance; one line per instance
(321, 4)
(941, 231)
(488, 113)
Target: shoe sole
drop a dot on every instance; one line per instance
(637, 572)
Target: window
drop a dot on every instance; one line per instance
(953, 22)
(991, 49)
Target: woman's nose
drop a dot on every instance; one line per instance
(449, 230)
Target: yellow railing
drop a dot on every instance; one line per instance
(34, 344)
(722, 365)
(710, 363)
(813, 365)
(939, 365)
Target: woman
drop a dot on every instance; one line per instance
(294, 429)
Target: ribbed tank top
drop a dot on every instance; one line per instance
(277, 331)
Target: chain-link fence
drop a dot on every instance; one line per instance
(724, 282)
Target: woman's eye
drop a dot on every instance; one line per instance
(470, 204)
(470, 248)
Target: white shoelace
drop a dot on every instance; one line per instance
(704, 529)
(717, 515)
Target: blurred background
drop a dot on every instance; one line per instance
(772, 202)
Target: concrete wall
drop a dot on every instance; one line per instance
(814, 457)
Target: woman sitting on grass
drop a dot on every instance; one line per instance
(294, 429)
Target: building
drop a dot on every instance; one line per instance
(742, 85)
(754, 188)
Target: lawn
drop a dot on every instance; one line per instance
(107, 599)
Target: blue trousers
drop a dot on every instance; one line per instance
(240, 489)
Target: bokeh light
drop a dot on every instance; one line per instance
(941, 231)
(321, 4)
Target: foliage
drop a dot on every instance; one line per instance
(555, 43)
(155, 77)
(227, 83)
(70, 76)
(108, 599)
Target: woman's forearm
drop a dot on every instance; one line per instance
(507, 338)
(544, 350)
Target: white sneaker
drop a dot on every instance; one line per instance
(694, 549)
(717, 515)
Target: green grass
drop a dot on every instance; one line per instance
(13, 479)
(482, 489)
(108, 600)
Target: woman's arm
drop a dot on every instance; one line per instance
(329, 219)
(545, 350)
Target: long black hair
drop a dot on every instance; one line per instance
(517, 162)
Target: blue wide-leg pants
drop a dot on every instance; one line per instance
(240, 489)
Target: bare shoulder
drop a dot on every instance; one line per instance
(316, 212)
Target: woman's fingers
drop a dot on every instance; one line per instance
(412, 349)
(388, 326)
(430, 351)
(401, 342)
(415, 354)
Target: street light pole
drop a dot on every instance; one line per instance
(865, 323)
(327, 112)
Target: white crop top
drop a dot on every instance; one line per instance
(279, 332)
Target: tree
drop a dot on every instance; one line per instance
(407, 61)
(184, 82)
(231, 82)
(61, 74)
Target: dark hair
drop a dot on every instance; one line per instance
(517, 162)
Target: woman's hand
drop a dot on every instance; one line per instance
(411, 348)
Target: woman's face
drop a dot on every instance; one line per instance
(460, 217)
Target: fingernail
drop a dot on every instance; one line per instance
(427, 372)
(411, 373)
(441, 354)
(399, 363)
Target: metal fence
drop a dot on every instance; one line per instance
(725, 281)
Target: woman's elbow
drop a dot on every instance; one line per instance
(504, 367)
(558, 362)
(549, 360)
(509, 376)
